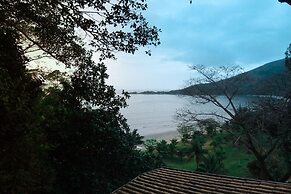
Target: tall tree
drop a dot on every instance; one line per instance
(71, 138)
(59, 28)
(21, 145)
(263, 129)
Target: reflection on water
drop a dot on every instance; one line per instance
(153, 114)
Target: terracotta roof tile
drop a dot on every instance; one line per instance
(165, 180)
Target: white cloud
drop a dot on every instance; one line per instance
(209, 32)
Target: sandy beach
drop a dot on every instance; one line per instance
(164, 136)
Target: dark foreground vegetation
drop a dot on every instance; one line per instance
(63, 133)
(216, 154)
(251, 141)
(220, 148)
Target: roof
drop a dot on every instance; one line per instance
(165, 180)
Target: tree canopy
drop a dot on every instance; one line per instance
(285, 1)
(262, 127)
(69, 137)
(61, 28)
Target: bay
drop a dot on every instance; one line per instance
(156, 114)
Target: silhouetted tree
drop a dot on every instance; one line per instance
(285, 1)
(71, 138)
(262, 128)
(288, 57)
(61, 29)
(22, 144)
(197, 142)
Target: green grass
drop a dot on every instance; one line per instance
(184, 164)
(235, 163)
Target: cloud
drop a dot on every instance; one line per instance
(139, 71)
(210, 32)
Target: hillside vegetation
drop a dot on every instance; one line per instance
(270, 79)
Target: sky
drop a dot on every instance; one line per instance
(248, 33)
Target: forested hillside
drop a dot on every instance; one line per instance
(270, 79)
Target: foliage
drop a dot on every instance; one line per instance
(285, 1)
(67, 137)
(212, 163)
(183, 152)
(233, 160)
(265, 131)
(150, 145)
(59, 27)
(84, 151)
(269, 79)
(173, 146)
(196, 147)
(22, 145)
(186, 132)
(160, 149)
(263, 128)
(209, 126)
(288, 57)
(163, 148)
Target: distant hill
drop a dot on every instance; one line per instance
(270, 79)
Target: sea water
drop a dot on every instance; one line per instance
(156, 114)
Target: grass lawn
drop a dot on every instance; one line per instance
(184, 164)
(235, 162)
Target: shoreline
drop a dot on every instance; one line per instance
(163, 136)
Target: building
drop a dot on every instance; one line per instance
(165, 180)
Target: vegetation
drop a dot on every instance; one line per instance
(285, 1)
(64, 133)
(251, 141)
(262, 128)
(270, 79)
(257, 136)
(218, 155)
(288, 57)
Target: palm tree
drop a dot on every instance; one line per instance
(211, 164)
(197, 150)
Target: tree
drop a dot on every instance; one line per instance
(285, 1)
(262, 129)
(58, 28)
(151, 145)
(22, 146)
(195, 138)
(288, 57)
(70, 138)
(197, 142)
(212, 163)
(173, 146)
(209, 126)
(163, 149)
(185, 132)
(265, 130)
(93, 151)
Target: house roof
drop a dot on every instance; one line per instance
(165, 180)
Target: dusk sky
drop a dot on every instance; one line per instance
(248, 33)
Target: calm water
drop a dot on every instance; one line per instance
(154, 114)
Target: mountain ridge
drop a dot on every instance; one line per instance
(272, 78)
